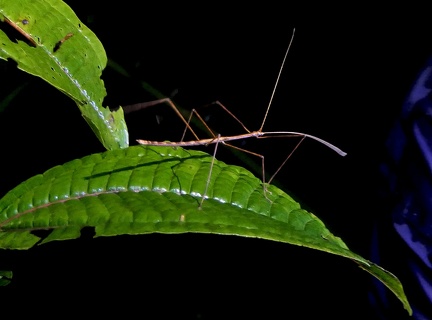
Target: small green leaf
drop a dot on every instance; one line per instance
(145, 189)
(49, 41)
(5, 278)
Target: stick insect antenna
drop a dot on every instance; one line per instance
(277, 81)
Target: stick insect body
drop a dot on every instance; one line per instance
(216, 139)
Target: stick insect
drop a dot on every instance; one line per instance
(217, 138)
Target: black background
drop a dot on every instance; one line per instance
(345, 79)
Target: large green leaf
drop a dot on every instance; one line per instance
(49, 41)
(145, 189)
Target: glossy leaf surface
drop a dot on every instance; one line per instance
(143, 189)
